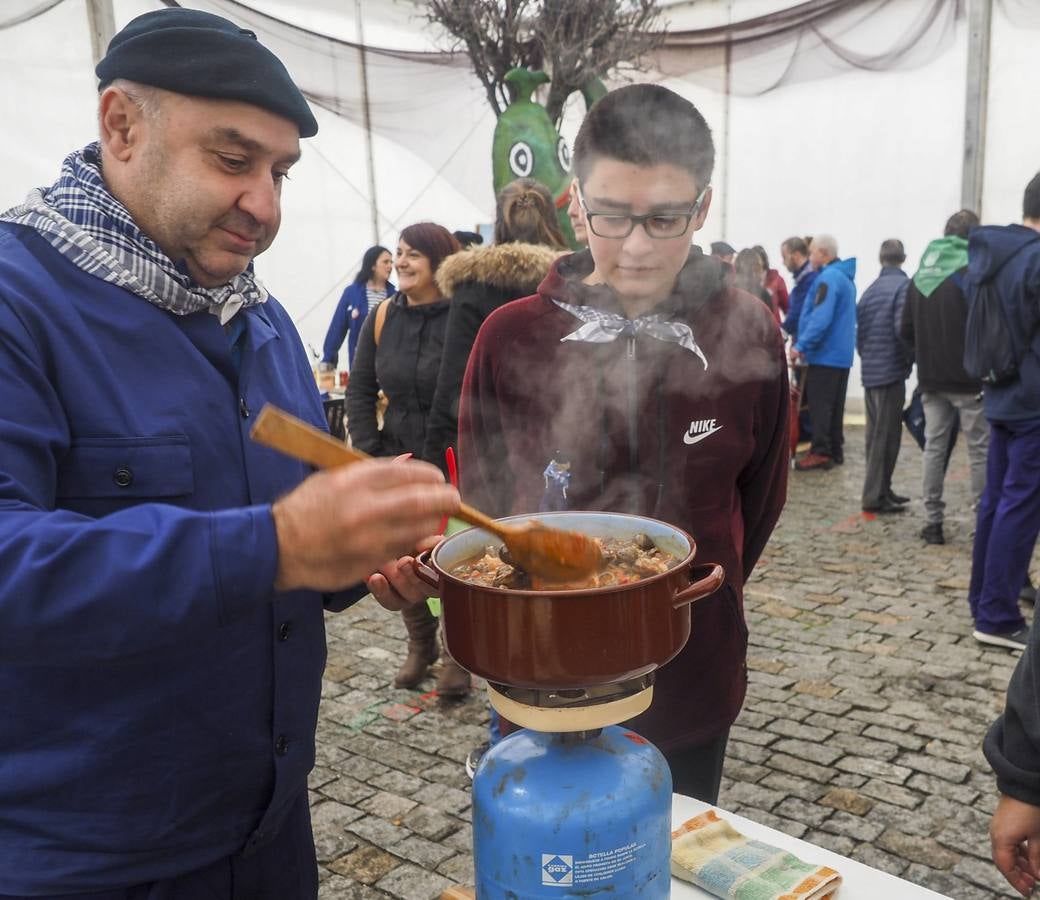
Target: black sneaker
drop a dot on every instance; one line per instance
(898, 498)
(933, 533)
(1028, 592)
(1013, 640)
(474, 757)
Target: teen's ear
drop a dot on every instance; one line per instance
(120, 122)
(702, 213)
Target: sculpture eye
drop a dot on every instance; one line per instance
(521, 159)
(563, 154)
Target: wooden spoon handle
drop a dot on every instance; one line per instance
(279, 430)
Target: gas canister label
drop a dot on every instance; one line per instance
(567, 869)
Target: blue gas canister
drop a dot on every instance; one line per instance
(572, 815)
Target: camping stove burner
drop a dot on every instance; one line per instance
(574, 698)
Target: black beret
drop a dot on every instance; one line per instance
(191, 52)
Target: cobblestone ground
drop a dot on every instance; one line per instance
(861, 732)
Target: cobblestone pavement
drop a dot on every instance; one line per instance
(861, 732)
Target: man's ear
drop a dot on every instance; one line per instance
(120, 122)
(702, 213)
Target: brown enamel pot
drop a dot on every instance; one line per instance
(573, 638)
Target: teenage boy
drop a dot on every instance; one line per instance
(662, 385)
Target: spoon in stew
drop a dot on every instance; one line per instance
(550, 553)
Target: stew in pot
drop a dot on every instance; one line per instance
(624, 560)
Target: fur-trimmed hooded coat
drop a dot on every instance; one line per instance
(478, 281)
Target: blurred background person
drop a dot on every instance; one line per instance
(478, 281)
(751, 276)
(826, 344)
(883, 369)
(795, 253)
(468, 238)
(932, 328)
(722, 250)
(774, 283)
(370, 287)
(399, 352)
(574, 214)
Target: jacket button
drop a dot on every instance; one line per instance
(123, 476)
(284, 630)
(242, 408)
(281, 746)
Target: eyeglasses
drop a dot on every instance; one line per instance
(659, 226)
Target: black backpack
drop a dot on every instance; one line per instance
(989, 350)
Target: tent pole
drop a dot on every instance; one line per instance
(367, 113)
(980, 18)
(726, 93)
(102, 23)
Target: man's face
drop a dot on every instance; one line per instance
(642, 270)
(792, 259)
(205, 182)
(818, 257)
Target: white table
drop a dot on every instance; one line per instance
(859, 882)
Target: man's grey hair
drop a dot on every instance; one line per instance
(146, 98)
(827, 243)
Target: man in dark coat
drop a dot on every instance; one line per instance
(883, 369)
(1008, 520)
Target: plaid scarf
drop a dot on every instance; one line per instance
(83, 221)
(603, 327)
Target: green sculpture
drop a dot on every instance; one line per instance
(527, 145)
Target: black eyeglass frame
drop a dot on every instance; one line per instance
(642, 220)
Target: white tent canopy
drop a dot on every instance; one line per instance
(863, 155)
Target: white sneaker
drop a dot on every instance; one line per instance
(1014, 640)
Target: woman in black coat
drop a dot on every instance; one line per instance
(481, 279)
(403, 361)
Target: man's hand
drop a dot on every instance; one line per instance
(396, 585)
(795, 357)
(1014, 837)
(339, 526)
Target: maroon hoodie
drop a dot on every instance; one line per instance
(647, 430)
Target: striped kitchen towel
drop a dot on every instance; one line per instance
(715, 856)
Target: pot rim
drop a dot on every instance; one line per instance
(569, 592)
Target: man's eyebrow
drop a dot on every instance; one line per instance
(234, 136)
(597, 204)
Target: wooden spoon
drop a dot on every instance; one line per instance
(552, 554)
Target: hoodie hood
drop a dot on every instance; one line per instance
(847, 267)
(990, 246)
(700, 279)
(941, 258)
(515, 266)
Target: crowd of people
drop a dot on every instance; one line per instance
(166, 578)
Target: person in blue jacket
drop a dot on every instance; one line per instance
(370, 286)
(1008, 519)
(165, 577)
(826, 342)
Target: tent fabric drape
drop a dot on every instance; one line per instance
(18, 11)
(810, 40)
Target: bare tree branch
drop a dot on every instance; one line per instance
(574, 41)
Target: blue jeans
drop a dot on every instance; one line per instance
(1007, 526)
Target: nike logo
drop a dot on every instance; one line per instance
(699, 430)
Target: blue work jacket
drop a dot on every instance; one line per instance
(159, 697)
(827, 323)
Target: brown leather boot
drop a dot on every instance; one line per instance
(422, 645)
(453, 680)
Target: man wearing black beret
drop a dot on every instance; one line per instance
(165, 578)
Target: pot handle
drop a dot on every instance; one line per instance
(424, 572)
(702, 588)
